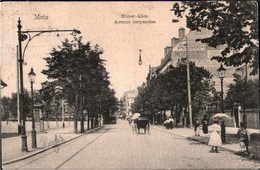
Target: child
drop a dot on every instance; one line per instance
(197, 127)
(244, 137)
(215, 139)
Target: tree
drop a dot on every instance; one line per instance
(243, 90)
(169, 91)
(9, 105)
(79, 74)
(234, 24)
(48, 96)
(5, 104)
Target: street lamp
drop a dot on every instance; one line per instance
(31, 77)
(140, 59)
(23, 35)
(221, 73)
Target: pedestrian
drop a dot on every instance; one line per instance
(215, 139)
(223, 132)
(197, 127)
(244, 137)
(171, 120)
(205, 123)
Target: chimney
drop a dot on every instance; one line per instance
(167, 50)
(181, 33)
(175, 41)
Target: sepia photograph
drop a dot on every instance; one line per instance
(129, 85)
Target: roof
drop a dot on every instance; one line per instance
(130, 93)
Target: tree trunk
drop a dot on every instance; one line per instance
(88, 116)
(56, 118)
(99, 116)
(92, 123)
(153, 118)
(47, 119)
(81, 114)
(76, 115)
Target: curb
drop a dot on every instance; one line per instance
(48, 148)
(190, 138)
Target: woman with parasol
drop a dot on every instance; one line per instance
(222, 117)
(215, 140)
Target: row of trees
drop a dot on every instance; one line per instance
(169, 92)
(77, 74)
(9, 105)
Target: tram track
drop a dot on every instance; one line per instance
(64, 145)
(64, 162)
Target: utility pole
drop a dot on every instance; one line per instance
(188, 82)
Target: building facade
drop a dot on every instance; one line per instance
(128, 99)
(198, 53)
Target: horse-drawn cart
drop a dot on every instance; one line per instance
(141, 123)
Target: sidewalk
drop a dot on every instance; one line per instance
(11, 147)
(203, 138)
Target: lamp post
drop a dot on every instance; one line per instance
(31, 77)
(221, 73)
(23, 35)
(3, 85)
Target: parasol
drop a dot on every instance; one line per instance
(221, 116)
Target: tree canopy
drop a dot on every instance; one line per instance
(169, 90)
(233, 24)
(76, 69)
(242, 91)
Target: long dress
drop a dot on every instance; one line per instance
(215, 139)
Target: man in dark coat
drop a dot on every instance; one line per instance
(205, 123)
(223, 132)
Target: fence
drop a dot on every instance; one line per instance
(252, 116)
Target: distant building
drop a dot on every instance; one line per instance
(198, 52)
(128, 99)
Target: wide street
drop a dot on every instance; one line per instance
(117, 147)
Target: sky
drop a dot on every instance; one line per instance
(96, 21)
